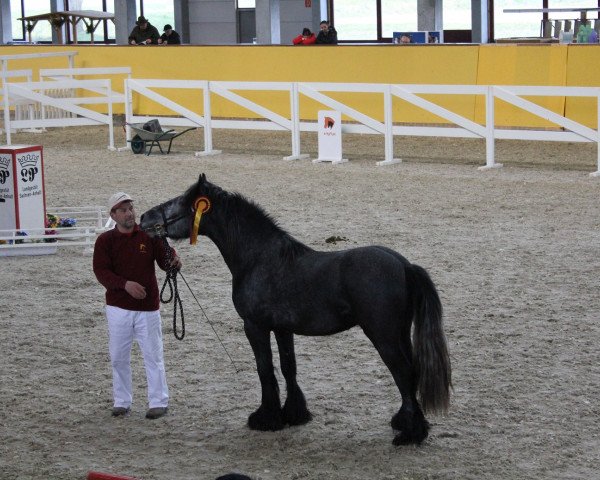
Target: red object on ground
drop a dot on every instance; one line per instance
(107, 476)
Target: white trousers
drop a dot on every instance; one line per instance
(124, 326)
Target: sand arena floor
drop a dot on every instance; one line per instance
(513, 251)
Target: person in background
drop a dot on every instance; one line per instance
(327, 35)
(143, 33)
(307, 38)
(123, 263)
(169, 37)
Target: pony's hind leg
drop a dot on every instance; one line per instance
(268, 416)
(397, 356)
(294, 408)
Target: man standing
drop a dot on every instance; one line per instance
(170, 37)
(124, 264)
(327, 35)
(143, 33)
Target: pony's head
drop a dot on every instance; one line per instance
(180, 217)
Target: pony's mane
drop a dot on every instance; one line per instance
(243, 206)
(241, 210)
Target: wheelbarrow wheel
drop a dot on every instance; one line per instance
(138, 145)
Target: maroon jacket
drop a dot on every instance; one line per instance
(119, 257)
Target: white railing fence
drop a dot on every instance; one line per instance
(23, 108)
(4, 59)
(567, 130)
(185, 117)
(90, 222)
(36, 92)
(92, 216)
(61, 74)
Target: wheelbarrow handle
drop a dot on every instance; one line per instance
(166, 132)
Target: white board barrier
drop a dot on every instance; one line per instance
(330, 137)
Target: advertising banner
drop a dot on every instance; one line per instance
(330, 137)
(22, 196)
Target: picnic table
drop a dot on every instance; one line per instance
(91, 19)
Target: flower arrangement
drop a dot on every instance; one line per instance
(54, 221)
(20, 234)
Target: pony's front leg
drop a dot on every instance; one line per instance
(269, 415)
(294, 408)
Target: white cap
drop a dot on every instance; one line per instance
(117, 198)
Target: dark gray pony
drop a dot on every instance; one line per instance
(281, 285)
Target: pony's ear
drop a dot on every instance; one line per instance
(202, 178)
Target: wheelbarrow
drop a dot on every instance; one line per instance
(152, 133)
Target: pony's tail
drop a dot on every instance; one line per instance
(430, 351)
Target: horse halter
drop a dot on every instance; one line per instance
(201, 205)
(160, 229)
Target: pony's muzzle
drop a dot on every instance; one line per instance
(159, 230)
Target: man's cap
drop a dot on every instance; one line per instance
(141, 19)
(167, 27)
(117, 199)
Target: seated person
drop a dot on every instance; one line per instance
(307, 38)
(327, 35)
(170, 37)
(143, 33)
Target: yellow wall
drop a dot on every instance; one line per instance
(426, 64)
(522, 65)
(583, 71)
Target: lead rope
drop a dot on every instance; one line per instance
(171, 280)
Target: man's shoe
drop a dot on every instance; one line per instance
(156, 412)
(120, 412)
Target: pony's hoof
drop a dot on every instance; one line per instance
(398, 421)
(413, 428)
(263, 421)
(404, 439)
(401, 439)
(414, 436)
(296, 417)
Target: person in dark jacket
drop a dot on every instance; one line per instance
(143, 33)
(124, 259)
(327, 35)
(170, 37)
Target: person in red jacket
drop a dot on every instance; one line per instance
(307, 38)
(123, 263)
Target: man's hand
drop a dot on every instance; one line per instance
(135, 290)
(176, 262)
(133, 42)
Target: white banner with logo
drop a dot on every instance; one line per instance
(22, 196)
(330, 137)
